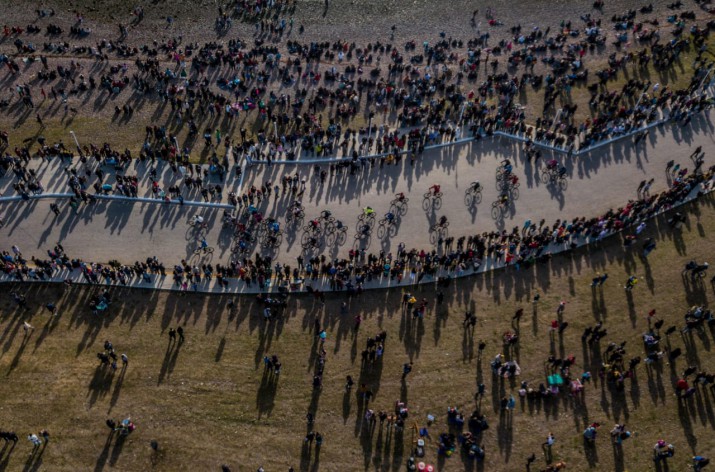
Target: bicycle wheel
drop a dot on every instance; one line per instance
(500, 185)
(381, 231)
(191, 222)
(468, 198)
(514, 193)
(437, 204)
(342, 237)
(305, 240)
(496, 212)
(563, 183)
(426, 203)
(478, 197)
(208, 250)
(545, 176)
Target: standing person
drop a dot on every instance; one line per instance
(172, 334)
(52, 309)
(349, 383)
(125, 361)
(35, 441)
(44, 434)
(561, 308)
(406, 369)
(550, 440)
(27, 327)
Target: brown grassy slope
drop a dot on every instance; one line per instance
(207, 402)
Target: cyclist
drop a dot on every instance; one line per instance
(514, 180)
(365, 230)
(442, 220)
(506, 166)
(400, 196)
(325, 214)
(562, 172)
(296, 204)
(252, 209)
(476, 186)
(314, 224)
(367, 211)
(339, 224)
(296, 211)
(504, 199)
(551, 165)
(434, 189)
(228, 217)
(275, 226)
(204, 244)
(198, 220)
(390, 217)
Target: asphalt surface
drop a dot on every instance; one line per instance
(129, 231)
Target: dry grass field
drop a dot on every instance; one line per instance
(208, 401)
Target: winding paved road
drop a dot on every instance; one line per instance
(130, 231)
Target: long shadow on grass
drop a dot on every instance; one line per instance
(100, 384)
(170, 356)
(5, 454)
(16, 360)
(117, 389)
(266, 394)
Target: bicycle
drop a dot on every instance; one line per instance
(473, 194)
(272, 240)
(295, 216)
(265, 226)
(432, 199)
(503, 173)
(326, 216)
(399, 204)
(549, 174)
(367, 219)
(512, 188)
(204, 250)
(385, 225)
(239, 247)
(363, 232)
(401, 199)
(315, 229)
(308, 241)
(439, 226)
(340, 235)
(194, 222)
(498, 208)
